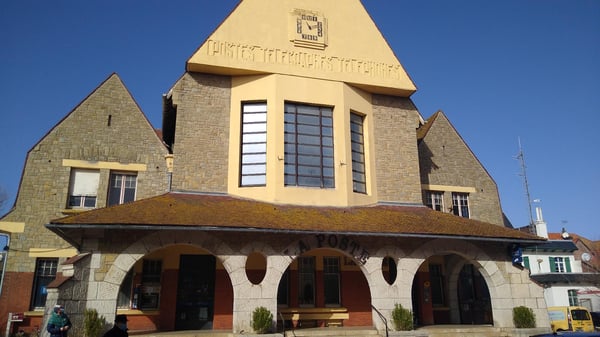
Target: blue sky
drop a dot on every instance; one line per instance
(500, 71)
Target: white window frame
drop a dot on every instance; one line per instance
(573, 298)
(434, 200)
(122, 181)
(559, 264)
(253, 152)
(460, 204)
(83, 188)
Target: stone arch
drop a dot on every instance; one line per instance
(108, 289)
(391, 251)
(311, 242)
(470, 252)
(236, 265)
(355, 249)
(465, 252)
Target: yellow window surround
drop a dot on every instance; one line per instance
(449, 188)
(52, 252)
(12, 227)
(86, 164)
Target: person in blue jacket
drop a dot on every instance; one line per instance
(59, 323)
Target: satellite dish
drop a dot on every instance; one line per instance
(565, 235)
(586, 257)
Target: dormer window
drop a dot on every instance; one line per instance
(309, 146)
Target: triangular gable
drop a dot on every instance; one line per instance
(326, 39)
(440, 121)
(121, 106)
(424, 129)
(112, 98)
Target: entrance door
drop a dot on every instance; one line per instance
(195, 292)
(473, 297)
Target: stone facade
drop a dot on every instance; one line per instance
(201, 143)
(396, 120)
(446, 160)
(509, 286)
(106, 127)
(107, 132)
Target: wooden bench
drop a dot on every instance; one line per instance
(328, 316)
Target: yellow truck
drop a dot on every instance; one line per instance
(570, 319)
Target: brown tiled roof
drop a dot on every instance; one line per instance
(220, 212)
(59, 279)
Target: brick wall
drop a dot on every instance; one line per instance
(356, 297)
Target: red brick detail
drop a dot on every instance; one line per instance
(143, 322)
(223, 307)
(425, 314)
(16, 297)
(168, 299)
(356, 297)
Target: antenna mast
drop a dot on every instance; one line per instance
(521, 158)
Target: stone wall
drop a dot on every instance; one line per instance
(201, 146)
(446, 160)
(509, 286)
(107, 126)
(397, 162)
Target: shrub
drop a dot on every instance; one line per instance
(402, 318)
(262, 320)
(523, 317)
(92, 323)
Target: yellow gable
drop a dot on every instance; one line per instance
(326, 39)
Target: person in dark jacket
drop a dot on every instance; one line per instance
(119, 329)
(59, 323)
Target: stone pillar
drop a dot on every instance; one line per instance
(248, 296)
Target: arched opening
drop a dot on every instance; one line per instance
(389, 270)
(179, 287)
(324, 287)
(448, 289)
(473, 297)
(256, 267)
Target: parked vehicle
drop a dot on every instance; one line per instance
(570, 319)
(596, 319)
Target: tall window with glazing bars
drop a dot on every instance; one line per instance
(357, 139)
(309, 146)
(254, 144)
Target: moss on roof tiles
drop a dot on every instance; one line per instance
(179, 209)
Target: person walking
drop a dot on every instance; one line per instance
(59, 323)
(119, 329)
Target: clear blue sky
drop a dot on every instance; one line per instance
(499, 70)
